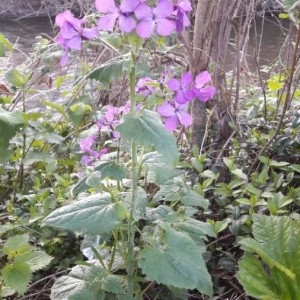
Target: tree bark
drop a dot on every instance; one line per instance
(213, 24)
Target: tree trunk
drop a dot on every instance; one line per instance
(213, 24)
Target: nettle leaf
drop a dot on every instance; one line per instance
(178, 262)
(16, 78)
(17, 276)
(36, 260)
(56, 106)
(111, 169)
(158, 171)
(96, 214)
(111, 69)
(146, 129)
(15, 243)
(277, 242)
(78, 284)
(10, 124)
(195, 227)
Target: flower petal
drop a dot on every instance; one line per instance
(173, 84)
(185, 5)
(64, 59)
(188, 95)
(74, 43)
(144, 12)
(165, 27)
(206, 93)
(186, 79)
(89, 33)
(202, 79)
(179, 97)
(145, 28)
(166, 110)
(171, 123)
(164, 9)
(127, 24)
(184, 118)
(129, 5)
(106, 6)
(108, 21)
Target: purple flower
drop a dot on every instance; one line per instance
(183, 88)
(109, 120)
(123, 14)
(91, 156)
(175, 114)
(182, 9)
(71, 33)
(159, 17)
(201, 91)
(144, 86)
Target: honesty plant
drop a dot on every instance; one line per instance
(72, 33)
(113, 200)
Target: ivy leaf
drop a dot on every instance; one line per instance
(178, 262)
(147, 129)
(96, 214)
(17, 276)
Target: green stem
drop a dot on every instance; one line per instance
(134, 162)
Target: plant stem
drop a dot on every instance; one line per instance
(134, 165)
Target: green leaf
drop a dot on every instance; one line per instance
(12, 118)
(193, 226)
(78, 285)
(96, 214)
(178, 262)
(36, 260)
(239, 173)
(290, 4)
(111, 69)
(192, 198)
(94, 181)
(148, 130)
(277, 242)
(15, 243)
(111, 169)
(5, 42)
(16, 78)
(113, 284)
(274, 163)
(78, 112)
(17, 276)
(229, 163)
(56, 106)
(252, 276)
(157, 170)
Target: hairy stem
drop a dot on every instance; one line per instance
(134, 165)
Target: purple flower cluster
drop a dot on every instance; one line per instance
(87, 146)
(164, 19)
(71, 33)
(185, 91)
